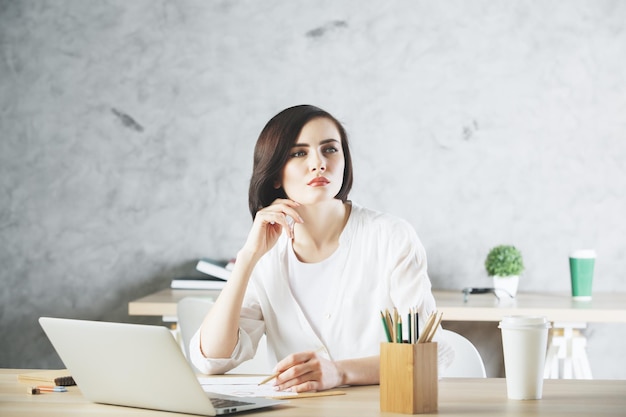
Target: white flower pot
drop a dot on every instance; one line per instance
(506, 287)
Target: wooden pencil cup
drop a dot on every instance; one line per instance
(408, 378)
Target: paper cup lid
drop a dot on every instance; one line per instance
(583, 253)
(524, 322)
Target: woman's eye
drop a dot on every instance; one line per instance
(297, 154)
(331, 149)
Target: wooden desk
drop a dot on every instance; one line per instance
(457, 397)
(604, 308)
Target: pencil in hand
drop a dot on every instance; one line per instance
(274, 375)
(269, 378)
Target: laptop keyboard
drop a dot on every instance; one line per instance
(225, 403)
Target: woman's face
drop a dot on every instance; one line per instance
(314, 171)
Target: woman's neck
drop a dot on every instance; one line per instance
(318, 237)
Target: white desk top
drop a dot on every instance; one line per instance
(603, 308)
(163, 303)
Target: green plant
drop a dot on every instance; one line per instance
(504, 261)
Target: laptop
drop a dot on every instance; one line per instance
(136, 365)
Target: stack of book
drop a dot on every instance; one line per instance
(216, 274)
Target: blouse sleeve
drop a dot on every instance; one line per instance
(409, 284)
(251, 328)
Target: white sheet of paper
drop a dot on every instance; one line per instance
(242, 387)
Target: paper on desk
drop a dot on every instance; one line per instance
(242, 387)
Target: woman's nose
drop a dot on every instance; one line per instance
(318, 163)
(319, 167)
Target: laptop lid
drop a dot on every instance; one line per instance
(133, 365)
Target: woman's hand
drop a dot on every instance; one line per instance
(268, 225)
(307, 371)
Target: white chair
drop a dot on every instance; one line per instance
(467, 362)
(191, 312)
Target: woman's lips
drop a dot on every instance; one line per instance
(318, 182)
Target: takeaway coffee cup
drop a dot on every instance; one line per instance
(581, 264)
(524, 343)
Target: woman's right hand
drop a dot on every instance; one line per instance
(269, 223)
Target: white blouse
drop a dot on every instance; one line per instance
(380, 264)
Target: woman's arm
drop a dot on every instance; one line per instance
(220, 329)
(361, 371)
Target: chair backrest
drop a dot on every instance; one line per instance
(467, 362)
(191, 312)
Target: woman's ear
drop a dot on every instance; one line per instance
(277, 185)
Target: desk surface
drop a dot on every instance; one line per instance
(457, 397)
(163, 303)
(603, 308)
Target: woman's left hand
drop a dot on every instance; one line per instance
(307, 371)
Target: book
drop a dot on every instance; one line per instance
(58, 377)
(198, 283)
(218, 269)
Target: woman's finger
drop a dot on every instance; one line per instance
(277, 213)
(287, 207)
(275, 220)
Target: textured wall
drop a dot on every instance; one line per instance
(127, 131)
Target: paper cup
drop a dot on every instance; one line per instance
(581, 265)
(524, 344)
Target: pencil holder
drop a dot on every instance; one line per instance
(408, 378)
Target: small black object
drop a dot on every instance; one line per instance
(64, 381)
(481, 290)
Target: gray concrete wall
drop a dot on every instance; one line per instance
(127, 128)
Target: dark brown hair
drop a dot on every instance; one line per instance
(272, 152)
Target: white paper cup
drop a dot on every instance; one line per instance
(524, 344)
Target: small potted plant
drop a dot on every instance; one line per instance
(504, 264)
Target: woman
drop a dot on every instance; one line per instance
(316, 269)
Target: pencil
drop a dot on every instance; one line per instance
(416, 333)
(409, 323)
(429, 324)
(42, 388)
(435, 326)
(385, 326)
(269, 378)
(392, 330)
